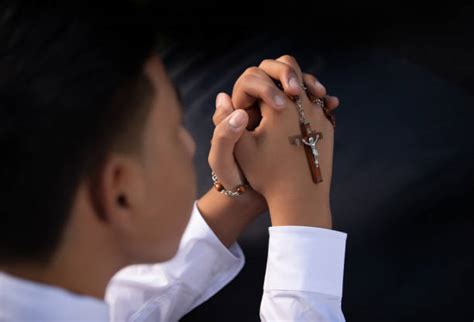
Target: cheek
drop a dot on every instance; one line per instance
(188, 141)
(172, 188)
(173, 181)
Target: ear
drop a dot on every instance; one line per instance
(122, 187)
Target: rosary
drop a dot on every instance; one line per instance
(310, 138)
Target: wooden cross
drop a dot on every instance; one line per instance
(309, 139)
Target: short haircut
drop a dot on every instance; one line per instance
(72, 90)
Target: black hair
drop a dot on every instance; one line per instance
(72, 87)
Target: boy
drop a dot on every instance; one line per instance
(97, 176)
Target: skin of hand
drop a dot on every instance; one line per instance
(278, 170)
(228, 217)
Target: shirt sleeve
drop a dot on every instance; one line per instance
(167, 291)
(304, 275)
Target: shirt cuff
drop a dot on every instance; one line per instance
(307, 259)
(227, 261)
(203, 262)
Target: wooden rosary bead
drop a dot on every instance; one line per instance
(219, 186)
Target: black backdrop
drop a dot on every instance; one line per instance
(404, 151)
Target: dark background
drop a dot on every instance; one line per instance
(404, 153)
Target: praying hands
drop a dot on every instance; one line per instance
(247, 147)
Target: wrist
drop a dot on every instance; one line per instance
(229, 216)
(300, 209)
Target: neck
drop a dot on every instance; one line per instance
(84, 262)
(87, 277)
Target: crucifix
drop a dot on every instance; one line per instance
(308, 139)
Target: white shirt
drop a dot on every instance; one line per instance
(303, 282)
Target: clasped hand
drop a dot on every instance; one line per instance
(261, 154)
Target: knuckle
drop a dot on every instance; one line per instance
(268, 91)
(289, 70)
(265, 62)
(246, 78)
(309, 78)
(220, 135)
(215, 119)
(251, 70)
(238, 84)
(288, 59)
(323, 91)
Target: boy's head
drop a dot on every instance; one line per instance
(92, 145)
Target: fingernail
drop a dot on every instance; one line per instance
(237, 120)
(219, 100)
(279, 101)
(294, 83)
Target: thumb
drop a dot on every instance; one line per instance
(221, 155)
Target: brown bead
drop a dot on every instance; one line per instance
(219, 186)
(241, 189)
